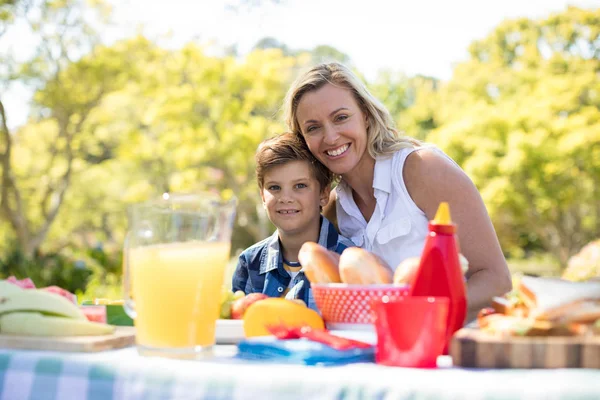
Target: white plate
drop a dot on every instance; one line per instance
(370, 328)
(229, 331)
(364, 334)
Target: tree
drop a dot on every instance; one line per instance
(325, 53)
(192, 122)
(62, 106)
(11, 10)
(412, 101)
(522, 117)
(271, 43)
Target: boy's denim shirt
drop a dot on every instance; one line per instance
(260, 267)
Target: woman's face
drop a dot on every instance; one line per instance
(334, 127)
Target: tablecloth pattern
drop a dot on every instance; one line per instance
(123, 374)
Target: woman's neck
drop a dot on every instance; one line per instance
(360, 179)
(291, 243)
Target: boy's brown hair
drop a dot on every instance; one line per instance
(285, 148)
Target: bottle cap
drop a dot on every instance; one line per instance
(442, 216)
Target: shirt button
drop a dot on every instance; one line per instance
(280, 289)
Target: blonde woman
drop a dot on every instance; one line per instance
(390, 185)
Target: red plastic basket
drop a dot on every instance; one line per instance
(351, 304)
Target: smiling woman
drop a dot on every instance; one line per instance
(390, 185)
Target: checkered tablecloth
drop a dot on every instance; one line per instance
(123, 374)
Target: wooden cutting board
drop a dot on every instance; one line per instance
(473, 348)
(122, 337)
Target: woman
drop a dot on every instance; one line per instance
(390, 185)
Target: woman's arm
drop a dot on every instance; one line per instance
(430, 179)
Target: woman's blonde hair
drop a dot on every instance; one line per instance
(382, 137)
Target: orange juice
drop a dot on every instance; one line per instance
(177, 291)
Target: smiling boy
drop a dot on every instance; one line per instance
(294, 188)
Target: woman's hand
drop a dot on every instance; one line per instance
(431, 178)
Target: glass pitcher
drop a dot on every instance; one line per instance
(175, 255)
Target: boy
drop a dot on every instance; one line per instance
(294, 188)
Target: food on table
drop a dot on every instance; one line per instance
(464, 263)
(7, 288)
(359, 266)
(407, 270)
(353, 266)
(240, 306)
(36, 324)
(9, 285)
(61, 292)
(43, 312)
(41, 301)
(319, 264)
(108, 302)
(25, 283)
(95, 313)
(275, 311)
(227, 299)
(557, 299)
(544, 307)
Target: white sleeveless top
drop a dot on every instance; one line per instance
(398, 228)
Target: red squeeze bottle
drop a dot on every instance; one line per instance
(439, 272)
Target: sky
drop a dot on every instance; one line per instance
(419, 36)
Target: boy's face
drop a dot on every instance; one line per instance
(292, 197)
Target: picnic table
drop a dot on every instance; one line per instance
(123, 374)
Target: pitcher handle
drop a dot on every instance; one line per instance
(129, 303)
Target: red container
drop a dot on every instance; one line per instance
(341, 303)
(439, 272)
(411, 331)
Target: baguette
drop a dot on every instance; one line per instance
(407, 270)
(319, 264)
(359, 266)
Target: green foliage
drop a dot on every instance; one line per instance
(115, 125)
(585, 264)
(45, 270)
(522, 117)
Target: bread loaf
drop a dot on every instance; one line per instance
(359, 266)
(319, 264)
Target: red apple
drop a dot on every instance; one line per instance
(239, 307)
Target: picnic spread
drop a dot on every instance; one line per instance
(371, 335)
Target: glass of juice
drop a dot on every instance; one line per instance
(174, 259)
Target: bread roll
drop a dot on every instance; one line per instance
(359, 266)
(464, 263)
(406, 271)
(319, 264)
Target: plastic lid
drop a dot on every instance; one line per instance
(442, 216)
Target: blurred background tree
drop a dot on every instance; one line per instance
(115, 124)
(522, 117)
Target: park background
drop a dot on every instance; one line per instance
(107, 104)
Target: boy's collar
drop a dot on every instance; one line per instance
(274, 257)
